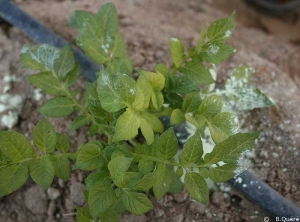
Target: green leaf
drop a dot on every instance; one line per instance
(93, 178)
(147, 131)
(57, 107)
(177, 51)
(47, 82)
(163, 180)
(40, 57)
(91, 36)
(108, 18)
(145, 166)
(73, 75)
(127, 126)
(65, 63)
(198, 121)
(157, 83)
(156, 80)
(146, 183)
(167, 145)
(89, 157)
(154, 122)
(115, 91)
(91, 88)
(128, 179)
(96, 110)
(183, 85)
(176, 184)
(121, 65)
(44, 136)
(12, 178)
(222, 173)
(15, 146)
(192, 150)
(177, 117)
(83, 214)
(101, 196)
(202, 38)
(197, 73)
(215, 52)
(78, 122)
(62, 142)
(221, 30)
(100, 42)
(109, 216)
(197, 187)
(210, 106)
(136, 203)
(61, 166)
(162, 69)
(42, 171)
(119, 48)
(231, 149)
(222, 126)
(191, 102)
(118, 166)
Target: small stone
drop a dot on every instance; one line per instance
(51, 208)
(217, 198)
(61, 183)
(158, 212)
(181, 197)
(138, 59)
(159, 54)
(178, 218)
(53, 193)
(197, 207)
(76, 193)
(36, 200)
(209, 215)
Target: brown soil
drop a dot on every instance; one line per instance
(146, 27)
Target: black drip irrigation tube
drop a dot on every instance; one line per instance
(251, 187)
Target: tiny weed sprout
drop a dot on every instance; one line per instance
(122, 171)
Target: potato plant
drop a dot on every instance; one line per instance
(122, 171)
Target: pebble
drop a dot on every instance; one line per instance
(51, 208)
(178, 218)
(76, 193)
(138, 59)
(158, 212)
(217, 198)
(36, 200)
(53, 193)
(197, 207)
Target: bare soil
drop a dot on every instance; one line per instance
(146, 27)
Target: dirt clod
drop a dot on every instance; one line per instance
(36, 200)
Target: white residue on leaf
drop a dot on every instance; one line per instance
(132, 91)
(105, 79)
(10, 119)
(227, 33)
(105, 48)
(174, 39)
(213, 49)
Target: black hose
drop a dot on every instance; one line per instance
(39, 33)
(256, 190)
(276, 7)
(264, 196)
